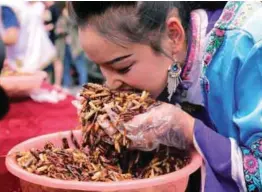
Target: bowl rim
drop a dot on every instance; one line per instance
(16, 170)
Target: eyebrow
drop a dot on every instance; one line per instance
(113, 61)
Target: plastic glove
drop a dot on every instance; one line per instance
(163, 124)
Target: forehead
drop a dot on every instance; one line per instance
(99, 48)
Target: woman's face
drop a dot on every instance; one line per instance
(130, 66)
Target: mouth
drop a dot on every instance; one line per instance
(126, 88)
(130, 89)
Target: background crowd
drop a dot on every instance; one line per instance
(42, 68)
(40, 36)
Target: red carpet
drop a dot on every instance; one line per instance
(27, 119)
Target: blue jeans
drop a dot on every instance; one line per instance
(80, 64)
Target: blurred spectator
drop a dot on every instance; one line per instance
(27, 44)
(50, 16)
(70, 51)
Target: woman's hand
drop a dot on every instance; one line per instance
(163, 124)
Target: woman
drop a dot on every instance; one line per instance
(70, 50)
(50, 15)
(206, 59)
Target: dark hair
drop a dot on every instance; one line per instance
(4, 100)
(4, 103)
(137, 21)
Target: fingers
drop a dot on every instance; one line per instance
(114, 118)
(146, 123)
(147, 130)
(144, 144)
(105, 124)
(143, 138)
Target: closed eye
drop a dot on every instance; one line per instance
(125, 69)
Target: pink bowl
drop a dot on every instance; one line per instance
(175, 182)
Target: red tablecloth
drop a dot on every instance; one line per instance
(27, 119)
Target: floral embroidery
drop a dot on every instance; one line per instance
(219, 33)
(247, 9)
(234, 15)
(227, 15)
(215, 41)
(207, 58)
(260, 148)
(257, 148)
(217, 36)
(251, 166)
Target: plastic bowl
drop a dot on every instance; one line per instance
(175, 182)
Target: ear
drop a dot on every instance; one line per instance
(176, 34)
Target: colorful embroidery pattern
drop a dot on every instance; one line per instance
(233, 16)
(257, 148)
(251, 166)
(229, 14)
(217, 35)
(246, 10)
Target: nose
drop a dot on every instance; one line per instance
(112, 79)
(113, 84)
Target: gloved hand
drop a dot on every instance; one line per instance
(163, 124)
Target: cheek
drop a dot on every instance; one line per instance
(149, 75)
(108, 73)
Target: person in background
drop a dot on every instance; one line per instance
(28, 48)
(50, 17)
(70, 51)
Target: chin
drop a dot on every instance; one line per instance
(155, 95)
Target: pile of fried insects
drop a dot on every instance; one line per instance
(98, 157)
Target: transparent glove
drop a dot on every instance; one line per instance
(163, 124)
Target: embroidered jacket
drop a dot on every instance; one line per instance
(232, 89)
